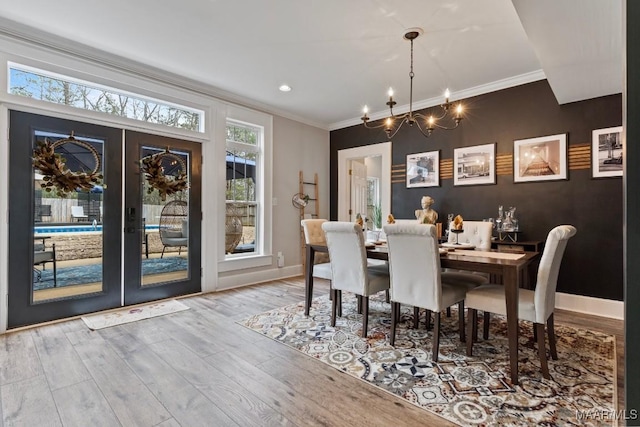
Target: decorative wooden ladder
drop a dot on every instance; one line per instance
(309, 210)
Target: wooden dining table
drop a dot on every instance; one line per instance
(511, 272)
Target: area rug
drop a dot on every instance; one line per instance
(133, 314)
(468, 391)
(92, 273)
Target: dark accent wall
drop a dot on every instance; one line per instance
(632, 214)
(592, 265)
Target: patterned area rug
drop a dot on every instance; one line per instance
(465, 390)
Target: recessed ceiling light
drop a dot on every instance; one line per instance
(285, 88)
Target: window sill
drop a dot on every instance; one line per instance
(240, 263)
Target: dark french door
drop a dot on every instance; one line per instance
(161, 221)
(79, 240)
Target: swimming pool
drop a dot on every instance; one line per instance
(77, 228)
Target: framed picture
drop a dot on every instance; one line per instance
(606, 152)
(540, 159)
(423, 169)
(474, 165)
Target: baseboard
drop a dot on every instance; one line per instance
(244, 279)
(590, 305)
(581, 304)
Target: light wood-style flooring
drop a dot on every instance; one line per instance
(197, 368)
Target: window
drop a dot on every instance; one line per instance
(49, 87)
(243, 186)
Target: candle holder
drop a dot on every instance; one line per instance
(456, 232)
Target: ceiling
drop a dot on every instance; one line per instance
(340, 55)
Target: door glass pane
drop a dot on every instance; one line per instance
(164, 228)
(68, 212)
(241, 206)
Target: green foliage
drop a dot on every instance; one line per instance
(377, 216)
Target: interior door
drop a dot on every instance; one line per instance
(64, 232)
(359, 189)
(162, 217)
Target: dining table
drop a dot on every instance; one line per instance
(508, 268)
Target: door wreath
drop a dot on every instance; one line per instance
(153, 170)
(56, 175)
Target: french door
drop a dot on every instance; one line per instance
(162, 220)
(79, 240)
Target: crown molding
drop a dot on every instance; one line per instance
(509, 82)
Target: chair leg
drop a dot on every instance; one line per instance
(339, 296)
(471, 326)
(398, 311)
(55, 274)
(365, 316)
(461, 320)
(448, 311)
(428, 319)
(333, 307)
(474, 323)
(162, 254)
(416, 317)
(394, 320)
(436, 337)
(485, 325)
(535, 333)
(387, 296)
(542, 352)
(552, 338)
(359, 305)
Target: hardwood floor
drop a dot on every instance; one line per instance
(197, 368)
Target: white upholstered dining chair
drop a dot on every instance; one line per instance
(314, 235)
(349, 269)
(534, 306)
(416, 277)
(478, 234)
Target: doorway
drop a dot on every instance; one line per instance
(345, 159)
(69, 253)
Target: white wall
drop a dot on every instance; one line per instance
(374, 166)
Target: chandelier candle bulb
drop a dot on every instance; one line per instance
(446, 96)
(458, 113)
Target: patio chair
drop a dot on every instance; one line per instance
(41, 256)
(77, 212)
(174, 225)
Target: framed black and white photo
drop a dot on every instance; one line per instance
(540, 159)
(423, 169)
(474, 165)
(606, 152)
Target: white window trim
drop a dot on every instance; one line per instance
(263, 256)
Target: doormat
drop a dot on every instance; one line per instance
(133, 314)
(468, 391)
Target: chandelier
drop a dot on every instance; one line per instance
(426, 124)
